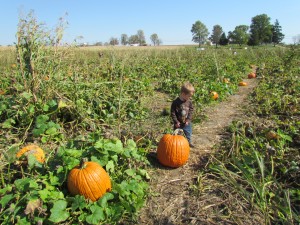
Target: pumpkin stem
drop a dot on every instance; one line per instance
(82, 163)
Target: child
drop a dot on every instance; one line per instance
(182, 110)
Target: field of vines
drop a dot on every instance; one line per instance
(96, 103)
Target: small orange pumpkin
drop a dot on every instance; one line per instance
(32, 149)
(214, 95)
(251, 75)
(226, 81)
(242, 83)
(89, 179)
(272, 135)
(173, 150)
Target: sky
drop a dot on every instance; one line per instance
(172, 20)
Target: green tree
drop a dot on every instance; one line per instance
(239, 35)
(141, 37)
(277, 35)
(155, 40)
(260, 30)
(113, 41)
(133, 39)
(216, 34)
(223, 39)
(124, 39)
(200, 32)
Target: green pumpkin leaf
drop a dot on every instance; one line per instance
(110, 166)
(8, 123)
(130, 144)
(144, 173)
(114, 147)
(22, 184)
(51, 131)
(56, 195)
(41, 119)
(5, 200)
(6, 189)
(23, 221)
(44, 194)
(96, 216)
(78, 202)
(26, 95)
(59, 212)
(130, 172)
(104, 199)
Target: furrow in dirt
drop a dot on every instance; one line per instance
(170, 201)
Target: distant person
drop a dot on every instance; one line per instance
(182, 111)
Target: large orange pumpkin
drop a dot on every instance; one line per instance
(214, 95)
(173, 150)
(33, 149)
(88, 179)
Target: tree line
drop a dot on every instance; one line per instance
(261, 31)
(136, 39)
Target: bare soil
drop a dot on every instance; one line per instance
(173, 199)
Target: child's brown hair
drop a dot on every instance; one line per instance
(187, 88)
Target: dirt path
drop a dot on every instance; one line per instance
(171, 202)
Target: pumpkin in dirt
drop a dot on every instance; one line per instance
(173, 150)
(34, 150)
(251, 75)
(242, 83)
(89, 179)
(214, 95)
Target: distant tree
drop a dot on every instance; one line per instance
(200, 32)
(296, 39)
(260, 30)
(133, 39)
(240, 35)
(223, 39)
(141, 36)
(216, 34)
(124, 39)
(113, 41)
(277, 36)
(99, 43)
(155, 40)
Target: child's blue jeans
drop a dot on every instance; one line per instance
(187, 129)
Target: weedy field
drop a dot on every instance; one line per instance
(101, 104)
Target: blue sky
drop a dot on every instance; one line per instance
(171, 20)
